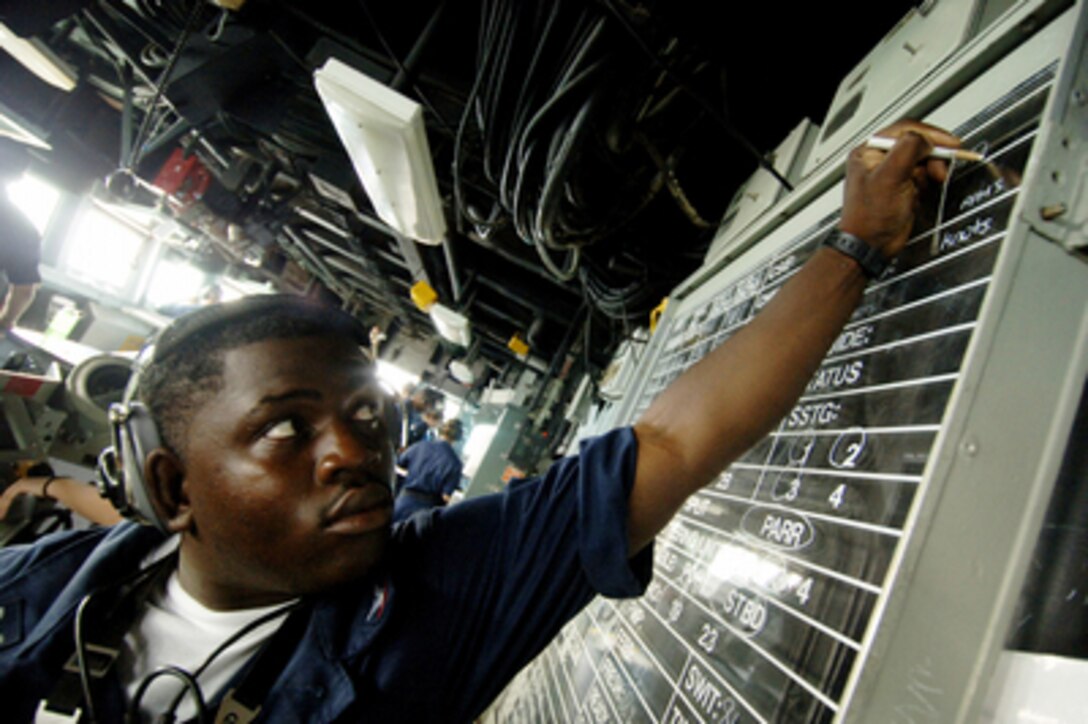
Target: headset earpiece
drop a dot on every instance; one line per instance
(121, 466)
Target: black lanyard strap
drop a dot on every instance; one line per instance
(93, 660)
(69, 700)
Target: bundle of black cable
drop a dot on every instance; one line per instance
(573, 133)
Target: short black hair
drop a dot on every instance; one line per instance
(431, 398)
(452, 430)
(186, 361)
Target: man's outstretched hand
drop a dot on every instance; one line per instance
(723, 404)
(883, 187)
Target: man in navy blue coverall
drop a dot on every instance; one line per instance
(432, 472)
(273, 482)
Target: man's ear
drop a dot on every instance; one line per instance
(164, 472)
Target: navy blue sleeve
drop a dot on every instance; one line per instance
(581, 499)
(501, 574)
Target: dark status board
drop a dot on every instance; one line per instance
(768, 580)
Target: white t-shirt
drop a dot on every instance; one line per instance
(177, 630)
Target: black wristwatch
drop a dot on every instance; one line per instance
(869, 258)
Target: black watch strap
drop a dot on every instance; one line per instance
(869, 258)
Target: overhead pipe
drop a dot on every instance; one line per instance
(406, 68)
(499, 313)
(560, 354)
(532, 300)
(451, 268)
(367, 272)
(318, 268)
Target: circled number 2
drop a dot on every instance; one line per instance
(847, 449)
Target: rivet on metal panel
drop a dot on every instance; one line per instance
(1052, 211)
(1080, 97)
(970, 447)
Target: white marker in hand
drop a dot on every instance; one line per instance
(885, 144)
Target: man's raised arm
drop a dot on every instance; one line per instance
(731, 398)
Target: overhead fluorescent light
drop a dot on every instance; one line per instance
(383, 133)
(36, 57)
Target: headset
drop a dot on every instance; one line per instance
(133, 432)
(133, 435)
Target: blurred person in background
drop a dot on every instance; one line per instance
(20, 243)
(432, 472)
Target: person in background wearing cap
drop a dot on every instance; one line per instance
(431, 472)
(270, 581)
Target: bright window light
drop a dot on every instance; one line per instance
(238, 288)
(475, 447)
(35, 198)
(395, 379)
(102, 250)
(175, 281)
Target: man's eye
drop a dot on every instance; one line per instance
(282, 430)
(369, 413)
